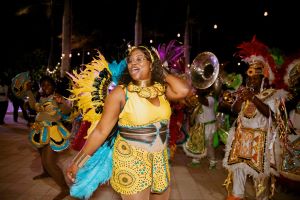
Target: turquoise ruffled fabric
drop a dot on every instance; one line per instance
(96, 171)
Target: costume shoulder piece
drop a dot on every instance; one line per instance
(92, 85)
(273, 93)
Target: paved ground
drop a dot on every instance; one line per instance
(19, 162)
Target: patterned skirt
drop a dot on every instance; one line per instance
(135, 169)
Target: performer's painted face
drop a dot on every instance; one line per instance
(139, 66)
(254, 82)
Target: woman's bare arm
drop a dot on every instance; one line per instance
(112, 108)
(177, 88)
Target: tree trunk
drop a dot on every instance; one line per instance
(51, 49)
(187, 38)
(66, 38)
(138, 24)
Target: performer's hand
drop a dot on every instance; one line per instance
(247, 94)
(71, 172)
(59, 98)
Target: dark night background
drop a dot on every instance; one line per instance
(109, 26)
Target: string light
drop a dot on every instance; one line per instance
(51, 72)
(54, 70)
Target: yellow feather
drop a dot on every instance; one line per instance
(83, 87)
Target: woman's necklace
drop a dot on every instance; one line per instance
(146, 88)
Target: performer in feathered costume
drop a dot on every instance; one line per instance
(290, 139)
(251, 145)
(171, 55)
(202, 128)
(48, 133)
(137, 167)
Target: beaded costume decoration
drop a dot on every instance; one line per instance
(148, 92)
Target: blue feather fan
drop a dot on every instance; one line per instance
(96, 171)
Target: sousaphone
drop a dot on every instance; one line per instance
(204, 70)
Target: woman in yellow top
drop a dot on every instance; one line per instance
(140, 106)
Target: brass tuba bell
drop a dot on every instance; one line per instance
(204, 70)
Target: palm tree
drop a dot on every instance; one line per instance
(138, 24)
(66, 38)
(50, 9)
(45, 8)
(187, 37)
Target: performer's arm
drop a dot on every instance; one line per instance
(177, 88)
(112, 108)
(109, 118)
(261, 106)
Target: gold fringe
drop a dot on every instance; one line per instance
(272, 187)
(228, 182)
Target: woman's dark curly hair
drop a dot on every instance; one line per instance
(49, 79)
(157, 70)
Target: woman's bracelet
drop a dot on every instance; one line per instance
(80, 159)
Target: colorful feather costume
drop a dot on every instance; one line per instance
(91, 86)
(170, 55)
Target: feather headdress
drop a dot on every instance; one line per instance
(292, 73)
(291, 78)
(257, 54)
(170, 55)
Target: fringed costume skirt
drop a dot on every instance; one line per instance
(52, 133)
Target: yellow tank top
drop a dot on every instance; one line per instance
(140, 112)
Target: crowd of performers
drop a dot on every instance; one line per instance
(253, 115)
(253, 112)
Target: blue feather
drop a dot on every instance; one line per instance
(117, 70)
(96, 171)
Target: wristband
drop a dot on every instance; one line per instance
(80, 159)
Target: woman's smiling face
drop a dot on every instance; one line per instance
(139, 66)
(47, 88)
